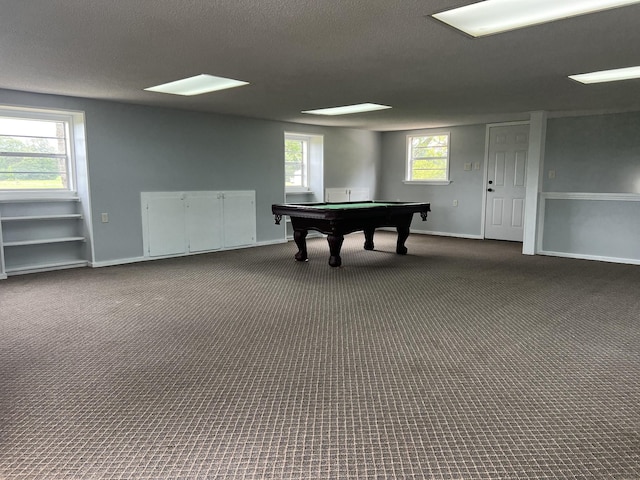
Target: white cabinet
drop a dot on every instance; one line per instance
(336, 195)
(41, 234)
(178, 223)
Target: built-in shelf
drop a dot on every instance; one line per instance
(42, 217)
(40, 267)
(43, 241)
(41, 233)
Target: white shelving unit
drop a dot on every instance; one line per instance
(39, 234)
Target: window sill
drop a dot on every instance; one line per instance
(37, 195)
(427, 182)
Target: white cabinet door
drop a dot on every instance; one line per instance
(166, 234)
(358, 194)
(204, 221)
(239, 218)
(336, 195)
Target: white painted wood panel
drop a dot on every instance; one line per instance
(239, 218)
(517, 213)
(166, 231)
(204, 221)
(336, 195)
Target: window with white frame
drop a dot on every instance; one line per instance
(296, 162)
(35, 151)
(428, 158)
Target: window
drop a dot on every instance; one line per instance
(428, 158)
(296, 162)
(34, 151)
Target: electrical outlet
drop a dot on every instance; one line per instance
(552, 174)
(105, 218)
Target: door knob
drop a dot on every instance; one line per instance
(489, 189)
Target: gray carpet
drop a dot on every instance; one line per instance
(461, 360)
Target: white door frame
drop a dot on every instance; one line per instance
(537, 133)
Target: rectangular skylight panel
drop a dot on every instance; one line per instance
(197, 85)
(496, 16)
(617, 74)
(347, 109)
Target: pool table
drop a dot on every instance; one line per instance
(337, 219)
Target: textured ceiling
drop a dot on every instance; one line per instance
(306, 54)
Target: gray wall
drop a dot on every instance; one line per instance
(593, 228)
(467, 146)
(352, 159)
(133, 148)
(594, 156)
(599, 153)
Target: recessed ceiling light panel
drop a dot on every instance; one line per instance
(627, 73)
(347, 109)
(197, 85)
(496, 16)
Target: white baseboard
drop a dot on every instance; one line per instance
(120, 261)
(438, 234)
(124, 261)
(45, 268)
(310, 234)
(265, 243)
(598, 258)
(448, 234)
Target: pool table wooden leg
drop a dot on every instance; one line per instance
(403, 234)
(335, 244)
(299, 236)
(368, 238)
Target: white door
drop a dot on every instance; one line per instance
(204, 221)
(239, 218)
(165, 225)
(506, 182)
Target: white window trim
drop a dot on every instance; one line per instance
(407, 163)
(46, 114)
(306, 138)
